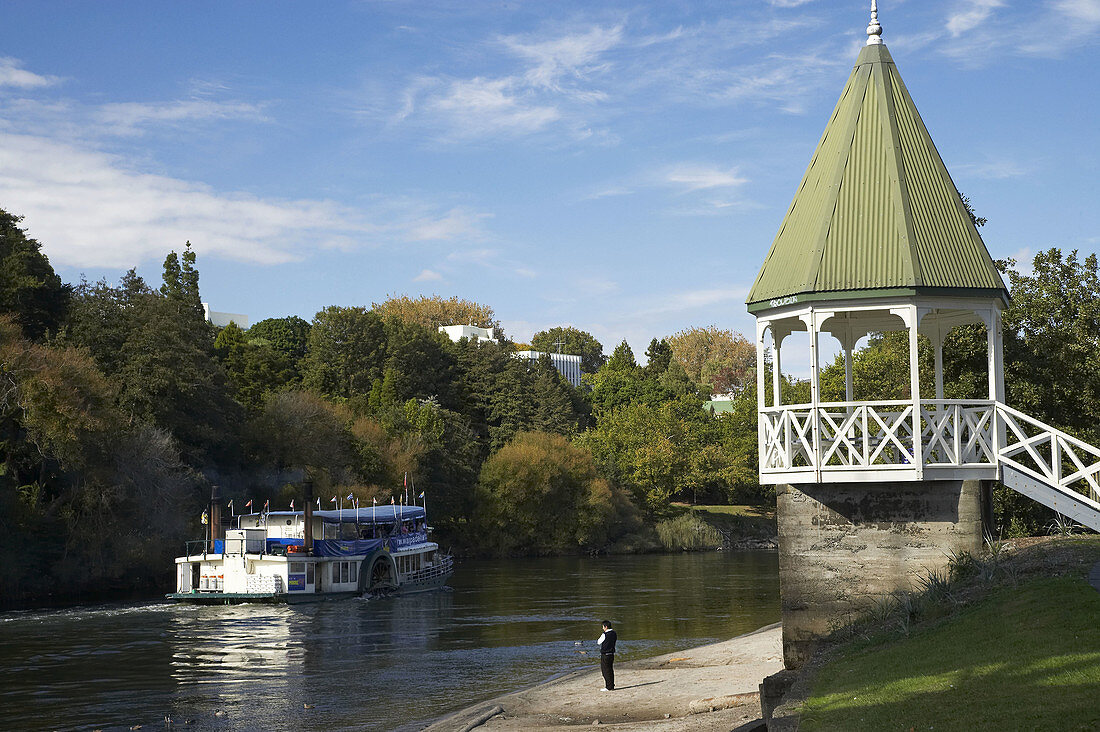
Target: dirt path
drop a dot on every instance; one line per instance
(707, 688)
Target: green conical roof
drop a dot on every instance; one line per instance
(876, 213)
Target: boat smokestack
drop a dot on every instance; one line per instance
(215, 515)
(307, 541)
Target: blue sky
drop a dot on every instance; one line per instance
(621, 167)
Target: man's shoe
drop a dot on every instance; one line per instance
(605, 689)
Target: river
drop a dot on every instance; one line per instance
(368, 664)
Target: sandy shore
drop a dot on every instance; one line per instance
(707, 688)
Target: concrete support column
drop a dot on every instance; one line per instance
(844, 546)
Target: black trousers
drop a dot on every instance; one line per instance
(607, 668)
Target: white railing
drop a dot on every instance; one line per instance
(957, 439)
(844, 436)
(1048, 454)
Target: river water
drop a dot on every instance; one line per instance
(370, 664)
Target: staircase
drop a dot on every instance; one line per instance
(1049, 466)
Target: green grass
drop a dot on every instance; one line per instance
(1022, 655)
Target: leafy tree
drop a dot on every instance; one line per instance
(1052, 342)
(653, 450)
(160, 356)
(720, 359)
(255, 369)
(347, 352)
(574, 341)
(30, 291)
(659, 356)
(289, 336)
(181, 282)
(554, 411)
(622, 358)
(432, 312)
(539, 494)
(422, 361)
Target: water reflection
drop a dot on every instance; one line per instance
(367, 664)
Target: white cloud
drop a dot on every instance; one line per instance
(90, 210)
(699, 178)
(12, 74)
(568, 56)
(428, 275)
(482, 107)
(992, 169)
(126, 118)
(788, 3)
(970, 15)
(1085, 11)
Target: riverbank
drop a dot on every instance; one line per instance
(1005, 641)
(712, 687)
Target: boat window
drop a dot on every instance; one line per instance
(353, 573)
(297, 567)
(344, 571)
(309, 572)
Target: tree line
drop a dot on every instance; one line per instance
(120, 407)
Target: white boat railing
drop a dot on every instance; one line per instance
(443, 566)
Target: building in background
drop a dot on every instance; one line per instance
(223, 319)
(458, 332)
(567, 364)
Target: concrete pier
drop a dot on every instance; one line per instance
(843, 546)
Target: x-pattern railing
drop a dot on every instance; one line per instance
(1048, 454)
(969, 434)
(877, 435)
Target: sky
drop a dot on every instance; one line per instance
(620, 167)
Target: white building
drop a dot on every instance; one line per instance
(458, 332)
(567, 365)
(223, 319)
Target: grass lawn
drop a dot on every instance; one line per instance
(767, 512)
(1022, 657)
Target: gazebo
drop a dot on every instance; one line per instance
(876, 239)
(874, 492)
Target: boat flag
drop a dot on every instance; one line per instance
(421, 494)
(291, 504)
(318, 503)
(392, 501)
(266, 504)
(249, 504)
(230, 507)
(350, 496)
(333, 500)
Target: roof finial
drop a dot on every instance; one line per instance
(874, 30)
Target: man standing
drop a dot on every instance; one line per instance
(607, 656)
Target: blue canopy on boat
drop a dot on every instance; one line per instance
(373, 515)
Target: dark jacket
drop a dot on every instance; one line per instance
(608, 646)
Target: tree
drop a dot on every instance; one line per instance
(574, 341)
(347, 352)
(658, 356)
(159, 354)
(432, 312)
(541, 495)
(181, 282)
(718, 358)
(653, 450)
(622, 358)
(30, 291)
(255, 368)
(289, 336)
(1052, 342)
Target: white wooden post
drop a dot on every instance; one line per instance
(760, 418)
(914, 392)
(777, 373)
(815, 392)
